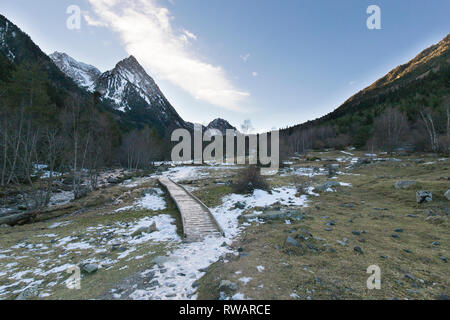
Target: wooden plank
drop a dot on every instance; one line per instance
(198, 221)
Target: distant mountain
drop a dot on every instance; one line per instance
(127, 88)
(83, 74)
(423, 81)
(220, 125)
(434, 60)
(18, 48)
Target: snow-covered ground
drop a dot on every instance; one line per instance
(175, 273)
(153, 200)
(182, 267)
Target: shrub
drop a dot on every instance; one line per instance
(250, 179)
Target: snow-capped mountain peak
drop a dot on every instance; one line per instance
(83, 74)
(133, 72)
(127, 88)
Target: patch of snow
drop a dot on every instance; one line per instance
(152, 201)
(59, 224)
(185, 173)
(245, 280)
(185, 264)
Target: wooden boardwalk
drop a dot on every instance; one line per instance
(198, 221)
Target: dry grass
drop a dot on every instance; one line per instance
(339, 272)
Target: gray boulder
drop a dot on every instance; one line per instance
(447, 194)
(113, 181)
(404, 184)
(89, 268)
(291, 242)
(424, 196)
(240, 205)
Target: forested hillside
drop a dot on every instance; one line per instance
(48, 121)
(407, 108)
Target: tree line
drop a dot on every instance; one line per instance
(47, 130)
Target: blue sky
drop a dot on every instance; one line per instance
(277, 63)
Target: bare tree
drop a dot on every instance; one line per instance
(427, 118)
(390, 129)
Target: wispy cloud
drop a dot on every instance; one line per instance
(146, 30)
(255, 74)
(245, 57)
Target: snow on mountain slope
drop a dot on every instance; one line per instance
(83, 74)
(127, 87)
(5, 32)
(126, 79)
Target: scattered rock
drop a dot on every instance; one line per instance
(424, 196)
(113, 181)
(404, 184)
(239, 205)
(358, 250)
(291, 242)
(311, 247)
(228, 287)
(89, 268)
(395, 236)
(356, 233)
(410, 276)
(28, 293)
(398, 230)
(443, 259)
